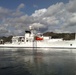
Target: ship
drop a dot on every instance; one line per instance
(37, 40)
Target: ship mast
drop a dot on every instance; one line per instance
(32, 29)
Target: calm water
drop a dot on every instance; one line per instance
(24, 62)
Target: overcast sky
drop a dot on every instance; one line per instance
(48, 15)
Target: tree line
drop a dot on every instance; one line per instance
(64, 36)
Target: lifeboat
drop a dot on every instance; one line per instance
(38, 38)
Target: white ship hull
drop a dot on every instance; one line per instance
(42, 44)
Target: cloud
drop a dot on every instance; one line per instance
(39, 12)
(54, 9)
(58, 17)
(21, 6)
(37, 25)
(4, 12)
(71, 6)
(51, 20)
(18, 11)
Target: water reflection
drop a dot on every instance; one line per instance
(24, 62)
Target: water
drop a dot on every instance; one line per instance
(25, 62)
